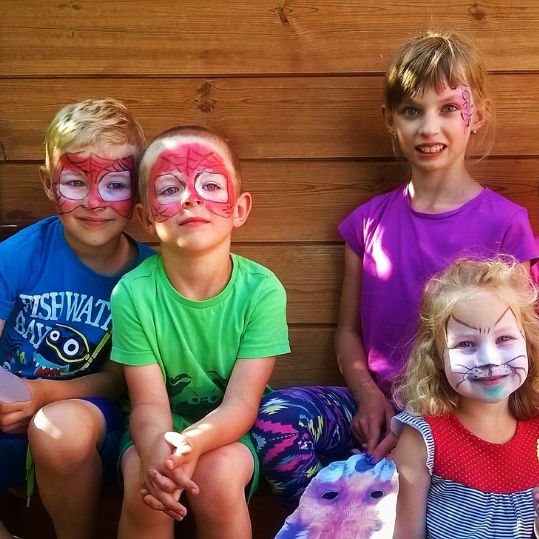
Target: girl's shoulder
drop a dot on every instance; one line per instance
(500, 201)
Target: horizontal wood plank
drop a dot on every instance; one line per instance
(294, 201)
(164, 37)
(311, 362)
(311, 117)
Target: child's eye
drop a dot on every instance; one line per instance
(449, 108)
(74, 183)
(169, 191)
(211, 187)
(116, 186)
(504, 338)
(465, 344)
(410, 112)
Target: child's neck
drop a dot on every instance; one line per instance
(492, 422)
(198, 276)
(441, 191)
(109, 259)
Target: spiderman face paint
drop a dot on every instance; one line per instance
(485, 357)
(94, 182)
(190, 175)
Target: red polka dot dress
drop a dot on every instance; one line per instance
(479, 490)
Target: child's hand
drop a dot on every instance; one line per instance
(372, 421)
(170, 475)
(15, 416)
(152, 477)
(166, 500)
(182, 461)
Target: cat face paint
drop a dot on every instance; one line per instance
(188, 175)
(88, 180)
(485, 356)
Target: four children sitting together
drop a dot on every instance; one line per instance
(437, 338)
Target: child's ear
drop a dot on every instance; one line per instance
(243, 209)
(46, 181)
(388, 121)
(479, 117)
(145, 219)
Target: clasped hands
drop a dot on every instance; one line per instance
(164, 481)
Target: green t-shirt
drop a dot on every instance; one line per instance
(197, 343)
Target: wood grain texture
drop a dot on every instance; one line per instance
(287, 117)
(98, 37)
(311, 362)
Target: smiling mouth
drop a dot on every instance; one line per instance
(489, 380)
(94, 221)
(430, 148)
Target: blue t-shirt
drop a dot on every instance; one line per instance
(56, 309)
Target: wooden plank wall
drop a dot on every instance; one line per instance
(296, 87)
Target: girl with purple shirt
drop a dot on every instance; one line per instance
(437, 109)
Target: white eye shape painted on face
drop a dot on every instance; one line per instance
(115, 186)
(212, 186)
(73, 186)
(485, 356)
(168, 189)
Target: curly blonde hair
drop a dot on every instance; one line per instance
(423, 387)
(432, 60)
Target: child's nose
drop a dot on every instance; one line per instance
(93, 198)
(430, 124)
(190, 198)
(489, 354)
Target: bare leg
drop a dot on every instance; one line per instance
(220, 509)
(138, 520)
(65, 437)
(4, 534)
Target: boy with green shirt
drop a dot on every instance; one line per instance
(197, 329)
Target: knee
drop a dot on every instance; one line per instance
(221, 476)
(134, 509)
(65, 433)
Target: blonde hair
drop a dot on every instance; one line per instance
(432, 60)
(423, 387)
(194, 131)
(92, 122)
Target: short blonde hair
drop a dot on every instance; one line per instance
(188, 131)
(423, 387)
(92, 122)
(432, 60)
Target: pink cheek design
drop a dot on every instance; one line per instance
(163, 212)
(467, 109)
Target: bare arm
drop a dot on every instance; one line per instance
(236, 414)
(414, 482)
(223, 426)
(150, 419)
(373, 417)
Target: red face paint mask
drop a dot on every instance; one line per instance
(190, 174)
(94, 182)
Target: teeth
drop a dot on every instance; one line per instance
(431, 149)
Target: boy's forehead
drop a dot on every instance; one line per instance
(105, 151)
(192, 151)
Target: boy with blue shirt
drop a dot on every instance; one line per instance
(56, 278)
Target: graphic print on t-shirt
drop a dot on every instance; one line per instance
(57, 335)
